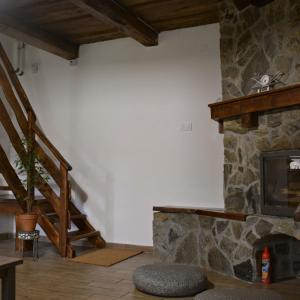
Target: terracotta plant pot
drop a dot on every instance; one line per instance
(26, 222)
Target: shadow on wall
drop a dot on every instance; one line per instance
(97, 203)
(78, 191)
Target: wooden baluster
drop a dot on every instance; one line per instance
(69, 200)
(31, 148)
(64, 223)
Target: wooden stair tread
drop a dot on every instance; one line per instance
(73, 217)
(51, 214)
(12, 197)
(5, 188)
(53, 217)
(8, 201)
(10, 206)
(79, 216)
(78, 235)
(7, 197)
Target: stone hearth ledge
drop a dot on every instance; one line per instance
(224, 246)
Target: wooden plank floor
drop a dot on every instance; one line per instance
(54, 278)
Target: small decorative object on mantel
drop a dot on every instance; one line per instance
(267, 82)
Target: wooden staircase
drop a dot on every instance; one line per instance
(56, 212)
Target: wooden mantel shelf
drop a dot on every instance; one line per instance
(211, 212)
(248, 107)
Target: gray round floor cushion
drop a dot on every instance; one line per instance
(169, 280)
(239, 294)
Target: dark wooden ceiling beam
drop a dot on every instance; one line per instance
(113, 12)
(37, 37)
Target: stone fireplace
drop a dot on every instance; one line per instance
(262, 204)
(244, 149)
(261, 194)
(280, 182)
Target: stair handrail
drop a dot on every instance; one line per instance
(16, 83)
(28, 108)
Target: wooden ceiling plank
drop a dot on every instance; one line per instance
(260, 3)
(241, 4)
(111, 11)
(70, 27)
(44, 13)
(186, 21)
(38, 38)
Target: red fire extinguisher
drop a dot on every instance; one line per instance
(266, 266)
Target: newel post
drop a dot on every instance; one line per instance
(64, 218)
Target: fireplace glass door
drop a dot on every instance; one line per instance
(280, 182)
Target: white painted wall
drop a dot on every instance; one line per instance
(117, 116)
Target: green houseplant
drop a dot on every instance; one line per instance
(31, 172)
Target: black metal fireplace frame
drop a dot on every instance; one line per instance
(274, 210)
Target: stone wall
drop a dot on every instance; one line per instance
(257, 40)
(226, 246)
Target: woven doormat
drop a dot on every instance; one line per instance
(106, 257)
